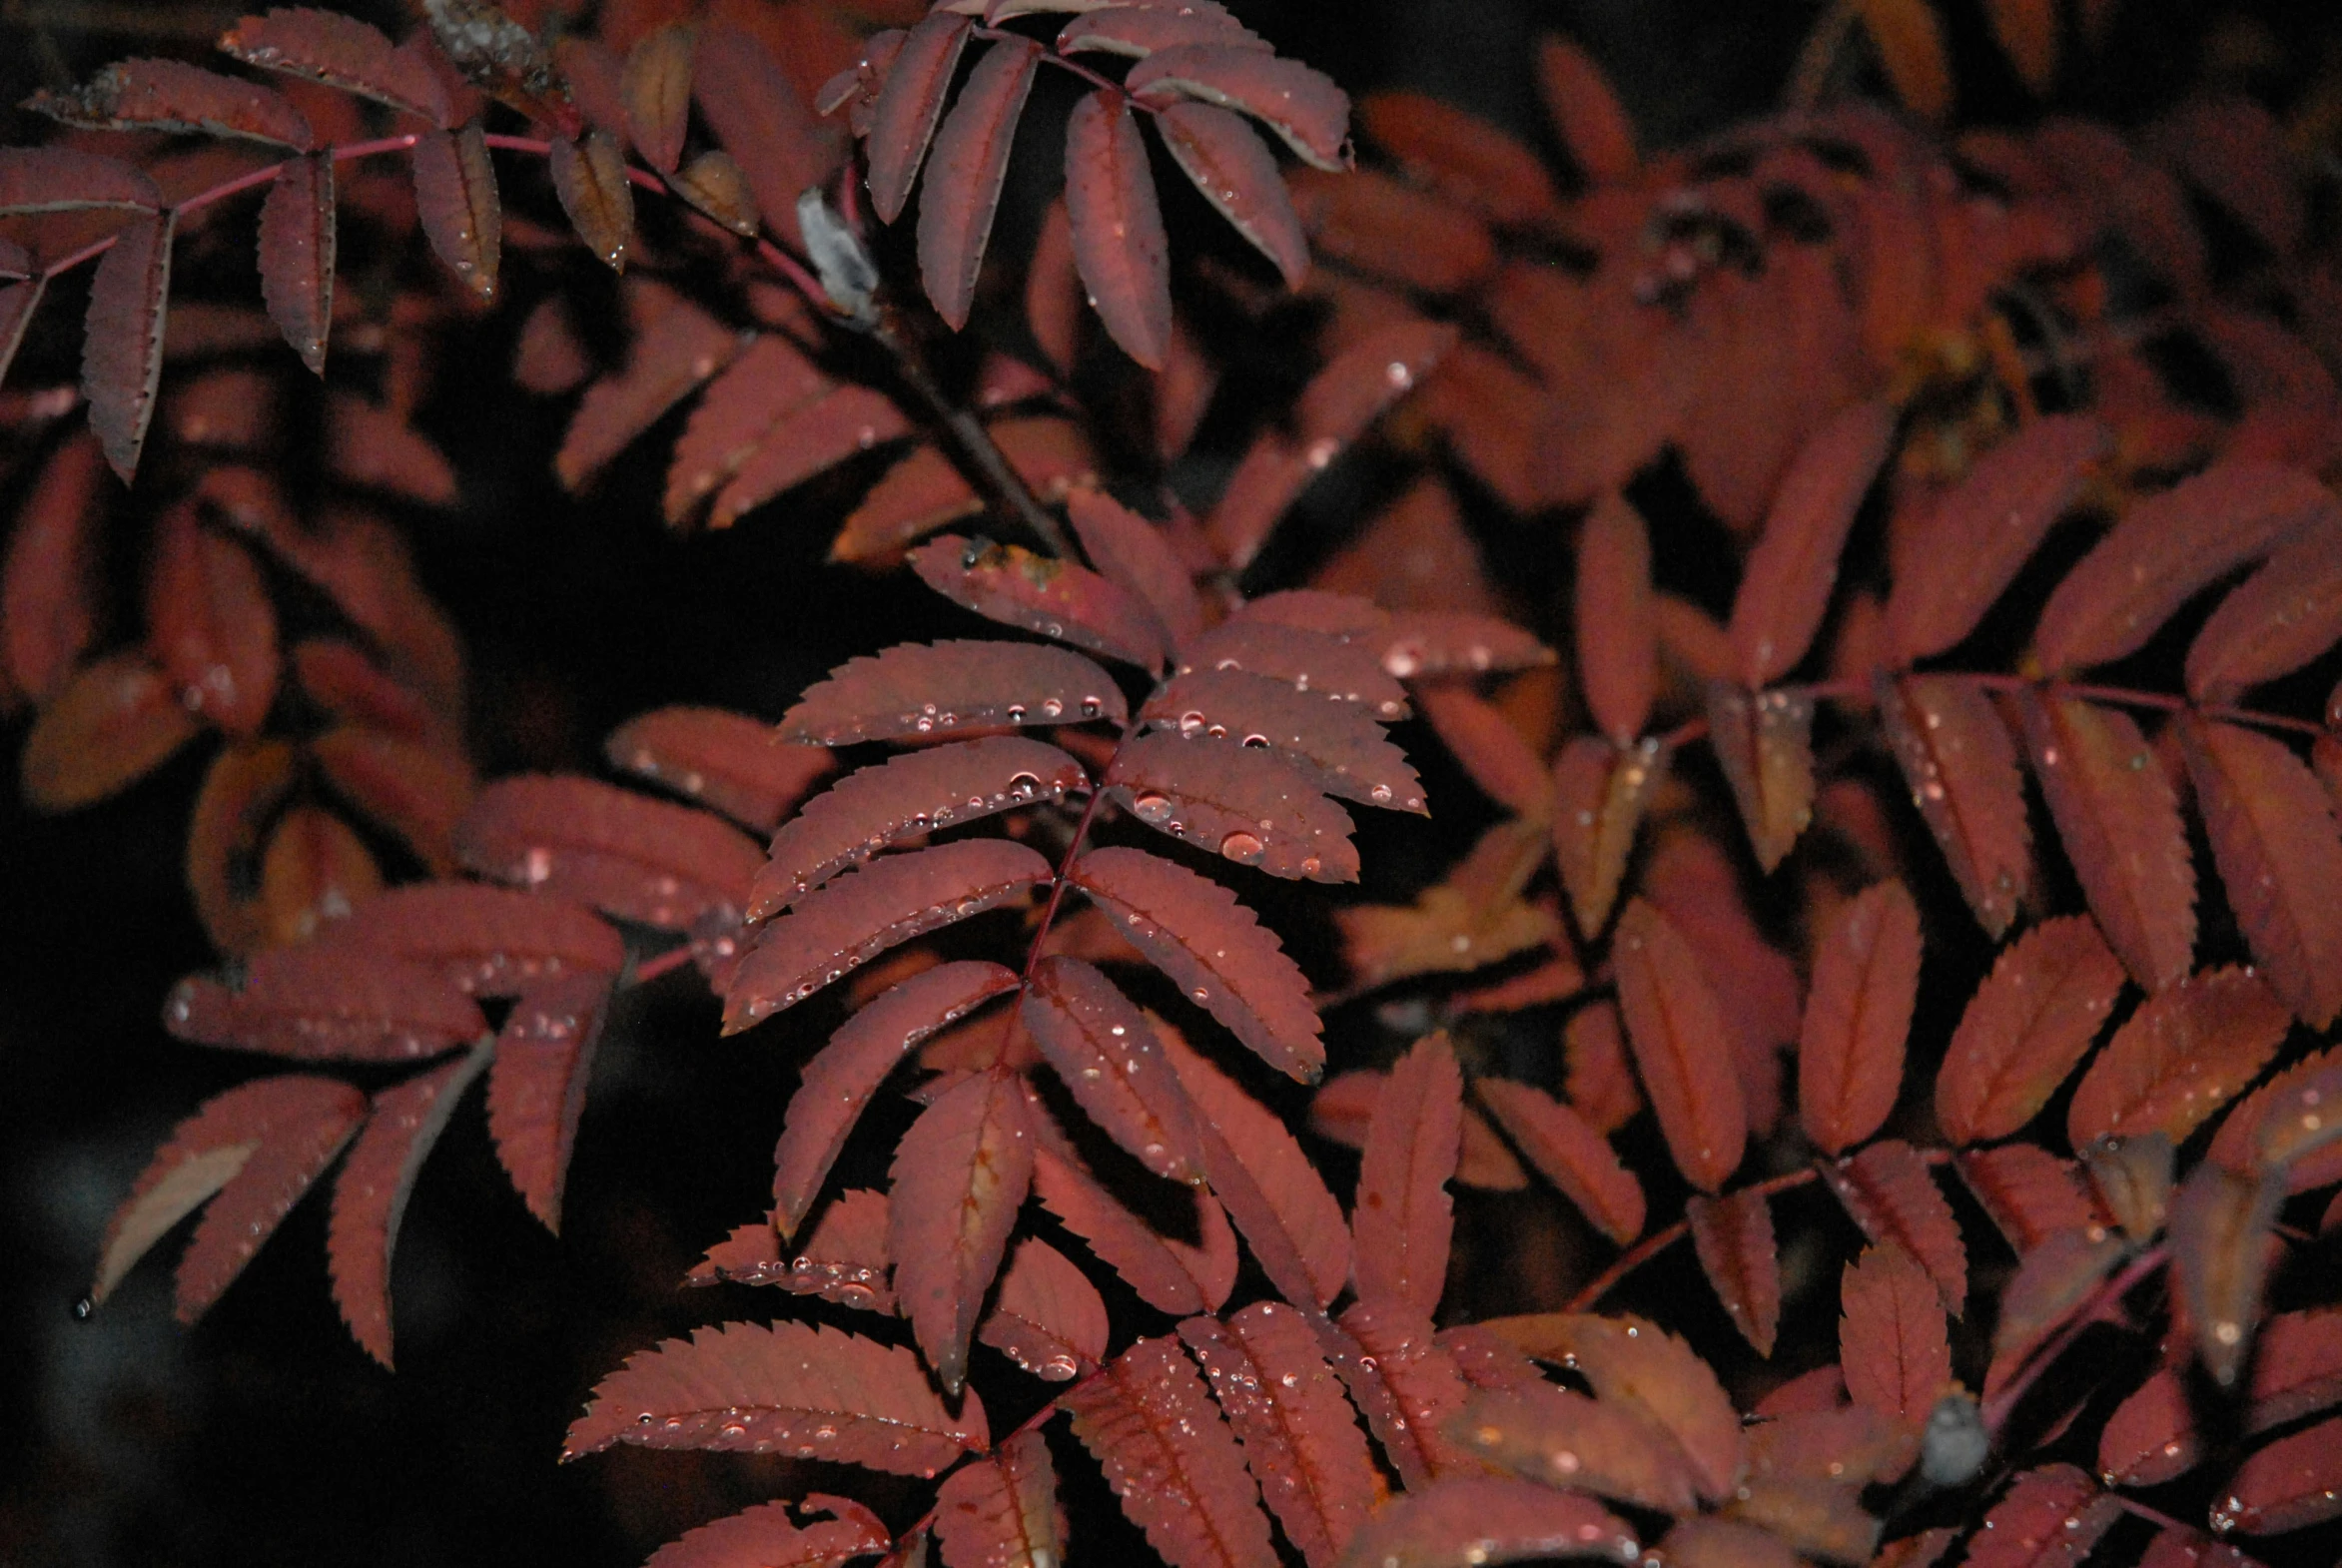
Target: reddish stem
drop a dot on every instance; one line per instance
(1062, 63)
(1660, 1241)
(2097, 1309)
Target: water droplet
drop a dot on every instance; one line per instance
(1381, 794)
(1243, 848)
(1152, 808)
(1050, 707)
(1257, 742)
(1015, 713)
(1091, 707)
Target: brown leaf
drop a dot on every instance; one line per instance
(122, 352)
(1067, 603)
(1237, 174)
(657, 89)
(843, 925)
(1786, 585)
(909, 795)
(1972, 542)
(1892, 1338)
(2221, 1249)
(455, 198)
(2026, 1029)
(761, 118)
(1568, 1152)
(418, 790)
(1886, 1189)
(743, 1387)
(958, 1179)
(1169, 1458)
(844, 1260)
(1003, 1511)
(1403, 1216)
(340, 51)
(1468, 1521)
(1961, 763)
(242, 791)
(2185, 1053)
(164, 95)
(1337, 747)
(1733, 1235)
(2280, 857)
(297, 255)
(1118, 242)
(715, 183)
(1639, 1366)
(1849, 1053)
(1910, 48)
(370, 1195)
(313, 873)
(1596, 1078)
(1586, 114)
(2051, 1281)
(1763, 741)
(112, 724)
(1600, 790)
(589, 175)
(2294, 1482)
(964, 182)
(1676, 1025)
(1565, 1439)
(1049, 1319)
(258, 1146)
(1617, 635)
(2165, 550)
(907, 691)
(625, 853)
(210, 623)
(1300, 104)
(2119, 822)
(1302, 1441)
(1430, 644)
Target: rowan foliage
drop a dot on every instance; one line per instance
(1899, 764)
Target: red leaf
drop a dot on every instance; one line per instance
(1196, 931)
(1119, 242)
(418, 791)
(1586, 114)
(2030, 1194)
(1960, 764)
(1484, 743)
(1617, 634)
(677, 345)
(846, 923)
(2053, 1516)
(1340, 749)
(2180, 1548)
(210, 623)
(790, 1387)
(536, 1090)
(1139, 30)
(1599, 792)
(1301, 1440)
(1300, 104)
(1403, 1216)
(2026, 1029)
(2296, 1369)
(244, 790)
(48, 589)
(1565, 1439)
(1247, 804)
(2051, 1281)
(1339, 669)
(1003, 1513)
(844, 1259)
(656, 87)
(2280, 855)
(492, 941)
(1169, 1456)
(926, 490)
(1892, 1341)
(1107, 1055)
(912, 794)
(1786, 585)
(297, 255)
(2294, 1482)
(1462, 157)
(2285, 616)
(1886, 1189)
(375, 447)
(1763, 741)
(456, 196)
(1734, 1237)
(822, 433)
(1637, 1366)
(1568, 1152)
(2165, 550)
(2286, 1123)
(1067, 603)
(163, 95)
(770, 382)
(2151, 1435)
(2119, 822)
(327, 1002)
(258, 1146)
(370, 1195)
(1168, 1277)
(1358, 385)
(122, 353)
(1858, 1015)
(761, 119)
(958, 1179)
(66, 179)
(1296, 1202)
(1597, 1081)
(1466, 1521)
(625, 853)
(1236, 173)
(1676, 1026)
(763, 1537)
(1345, 1107)
(1972, 541)
(589, 175)
(1728, 1543)
(113, 723)
(1132, 553)
(1047, 1318)
(964, 183)
(904, 118)
(909, 689)
(726, 761)
(1409, 1386)
(340, 51)
(2220, 1250)
(2185, 1053)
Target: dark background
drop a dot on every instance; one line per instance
(264, 1436)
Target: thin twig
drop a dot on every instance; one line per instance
(1999, 1408)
